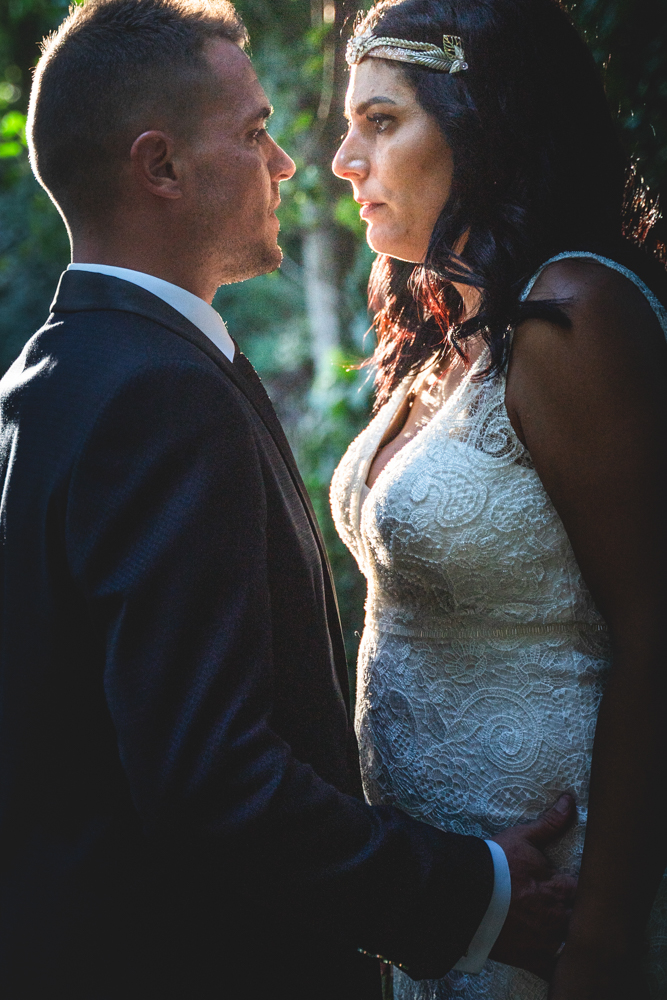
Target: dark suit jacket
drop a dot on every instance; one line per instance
(179, 810)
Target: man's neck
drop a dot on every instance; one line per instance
(172, 267)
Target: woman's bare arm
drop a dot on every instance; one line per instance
(590, 403)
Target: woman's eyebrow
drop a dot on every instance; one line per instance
(365, 105)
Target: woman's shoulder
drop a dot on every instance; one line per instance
(613, 337)
(603, 302)
(586, 282)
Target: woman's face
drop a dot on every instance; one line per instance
(396, 159)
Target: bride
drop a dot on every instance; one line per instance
(507, 502)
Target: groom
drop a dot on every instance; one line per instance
(181, 811)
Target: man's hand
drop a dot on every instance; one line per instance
(542, 899)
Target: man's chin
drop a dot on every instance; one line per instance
(263, 261)
(274, 259)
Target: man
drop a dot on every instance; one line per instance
(181, 814)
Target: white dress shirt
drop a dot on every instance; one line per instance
(494, 918)
(206, 319)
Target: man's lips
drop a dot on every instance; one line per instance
(273, 217)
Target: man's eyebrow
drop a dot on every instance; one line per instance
(261, 115)
(362, 108)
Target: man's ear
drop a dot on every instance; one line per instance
(153, 165)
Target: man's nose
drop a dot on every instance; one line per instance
(282, 166)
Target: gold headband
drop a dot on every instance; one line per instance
(449, 59)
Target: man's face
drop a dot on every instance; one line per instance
(235, 169)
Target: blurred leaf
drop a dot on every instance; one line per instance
(12, 125)
(10, 149)
(346, 214)
(303, 121)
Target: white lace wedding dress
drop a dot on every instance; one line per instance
(483, 658)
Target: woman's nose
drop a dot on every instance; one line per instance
(349, 163)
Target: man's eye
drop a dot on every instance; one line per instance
(258, 134)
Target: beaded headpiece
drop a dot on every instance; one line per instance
(449, 59)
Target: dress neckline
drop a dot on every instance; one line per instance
(388, 411)
(397, 399)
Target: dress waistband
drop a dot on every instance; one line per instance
(489, 632)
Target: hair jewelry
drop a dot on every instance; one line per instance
(449, 59)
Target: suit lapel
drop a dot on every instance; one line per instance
(258, 396)
(254, 390)
(88, 291)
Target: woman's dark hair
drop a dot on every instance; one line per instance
(538, 169)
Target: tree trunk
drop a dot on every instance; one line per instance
(322, 301)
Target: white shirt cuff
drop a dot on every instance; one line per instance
(494, 918)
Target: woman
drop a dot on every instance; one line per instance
(508, 509)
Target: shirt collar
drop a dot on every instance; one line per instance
(199, 312)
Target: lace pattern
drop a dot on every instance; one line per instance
(483, 658)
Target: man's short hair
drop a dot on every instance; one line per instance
(115, 69)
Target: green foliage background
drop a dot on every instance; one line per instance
(297, 48)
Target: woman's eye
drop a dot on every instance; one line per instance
(380, 121)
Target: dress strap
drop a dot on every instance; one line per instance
(652, 299)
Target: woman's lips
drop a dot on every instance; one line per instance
(368, 207)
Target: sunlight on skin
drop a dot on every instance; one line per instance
(213, 193)
(400, 167)
(396, 159)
